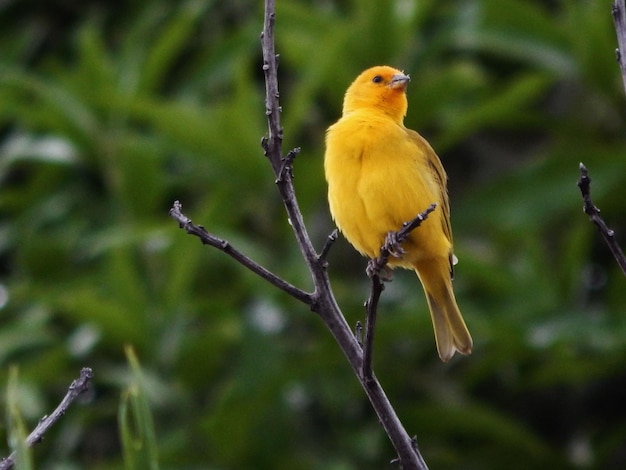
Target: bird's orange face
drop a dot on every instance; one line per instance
(381, 88)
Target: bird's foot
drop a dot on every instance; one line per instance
(384, 272)
(393, 246)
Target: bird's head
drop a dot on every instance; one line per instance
(380, 88)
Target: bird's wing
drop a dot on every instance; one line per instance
(442, 183)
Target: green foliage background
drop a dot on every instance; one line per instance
(109, 111)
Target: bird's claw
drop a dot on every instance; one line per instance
(374, 268)
(393, 246)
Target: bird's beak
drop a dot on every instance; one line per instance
(399, 80)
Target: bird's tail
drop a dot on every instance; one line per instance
(451, 333)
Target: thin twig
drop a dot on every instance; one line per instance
(330, 240)
(584, 183)
(223, 245)
(78, 386)
(619, 19)
(392, 247)
(371, 313)
(272, 144)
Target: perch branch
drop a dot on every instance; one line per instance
(77, 387)
(208, 239)
(584, 183)
(392, 247)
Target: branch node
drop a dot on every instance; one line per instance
(176, 214)
(330, 240)
(286, 168)
(358, 333)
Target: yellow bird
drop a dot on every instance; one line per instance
(381, 174)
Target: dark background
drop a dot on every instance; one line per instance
(109, 111)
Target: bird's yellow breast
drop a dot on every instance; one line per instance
(378, 178)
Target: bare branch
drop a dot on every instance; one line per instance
(371, 312)
(619, 19)
(392, 247)
(272, 144)
(76, 388)
(332, 238)
(287, 164)
(208, 239)
(584, 183)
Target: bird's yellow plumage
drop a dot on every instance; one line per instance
(381, 174)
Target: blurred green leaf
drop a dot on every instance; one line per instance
(15, 424)
(136, 424)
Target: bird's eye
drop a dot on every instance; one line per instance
(377, 79)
